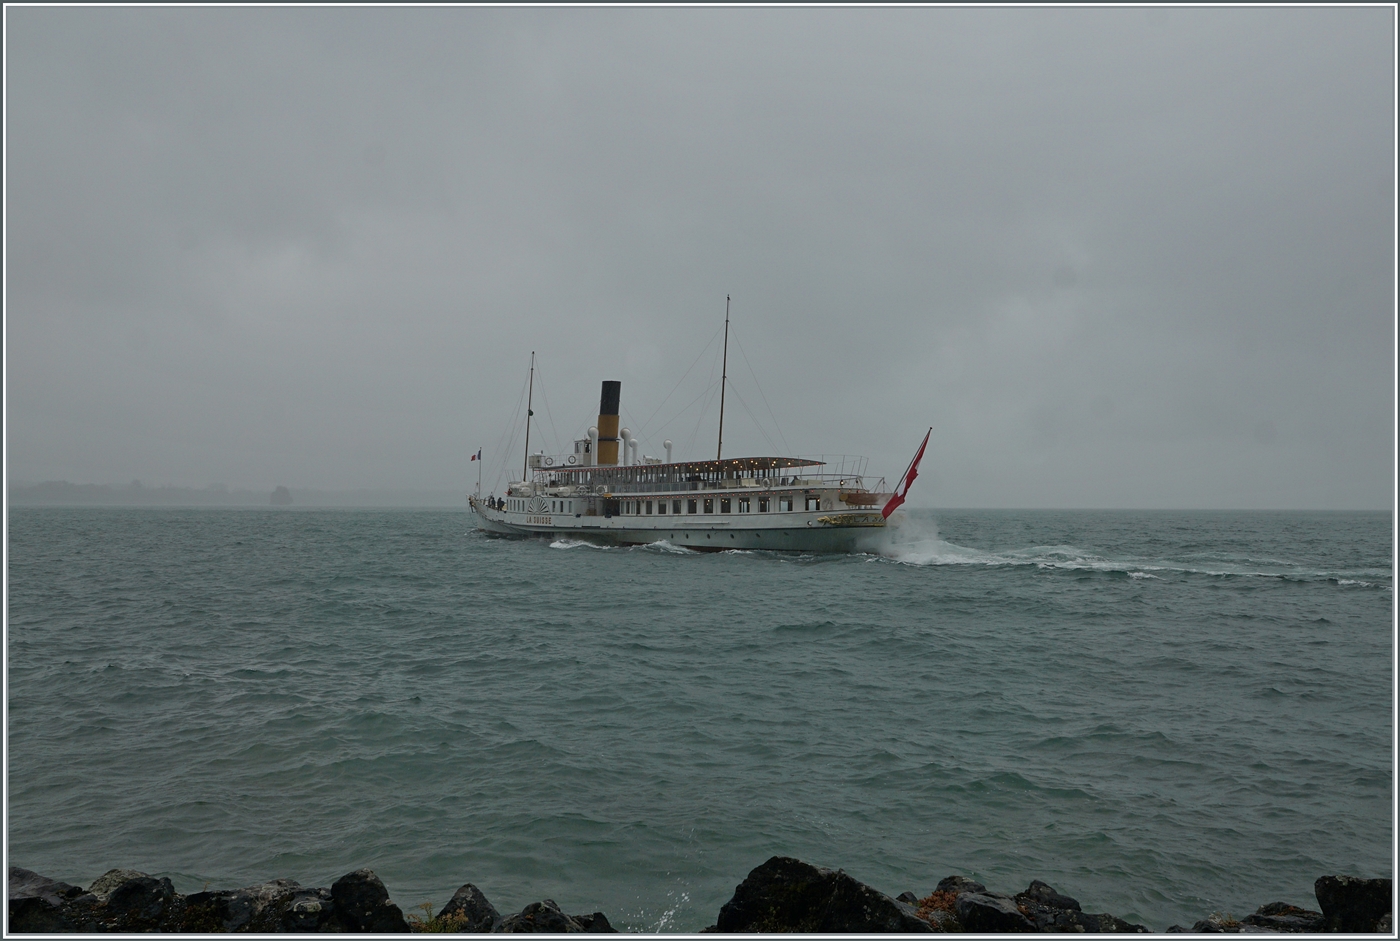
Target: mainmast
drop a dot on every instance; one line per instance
(529, 413)
(723, 374)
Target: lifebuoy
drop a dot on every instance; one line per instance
(573, 459)
(549, 462)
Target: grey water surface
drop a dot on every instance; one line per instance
(1163, 714)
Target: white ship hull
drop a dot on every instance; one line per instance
(797, 531)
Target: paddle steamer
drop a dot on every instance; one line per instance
(604, 492)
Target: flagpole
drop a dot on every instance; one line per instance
(723, 375)
(530, 410)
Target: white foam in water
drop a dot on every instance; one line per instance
(916, 542)
(662, 545)
(565, 543)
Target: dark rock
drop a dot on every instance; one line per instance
(37, 904)
(1039, 908)
(262, 908)
(1216, 923)
(362, 904)
(1048, 910)
(469, 907)
(981, 913)
(125, 900)
(960, 885)
(1176, 929)
(1039, 892)
(944, 921)
(1104, 923)
(311, 910)
(25, 884)
(786, 894)
(139, 904)
(35, 915)
(118, 900)
(105, 884)
(1280, 916)
(1351, 904)
(543, 917)
(597, 923)
(908, 898)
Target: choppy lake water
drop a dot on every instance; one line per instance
(1162, 714)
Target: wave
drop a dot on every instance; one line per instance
(563, 542)
(917, 542)
(662, 545)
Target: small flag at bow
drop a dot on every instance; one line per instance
(902, 490)
(477, 455)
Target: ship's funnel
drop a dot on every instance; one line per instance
(607, 422)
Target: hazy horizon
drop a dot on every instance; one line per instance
(373, 498)
(1136, 258)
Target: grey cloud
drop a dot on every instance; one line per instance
(1097, 250)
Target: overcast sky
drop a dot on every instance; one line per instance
(1114, 257)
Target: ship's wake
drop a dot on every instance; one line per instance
(917, 542)
(912, 541)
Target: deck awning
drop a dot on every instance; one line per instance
(729, 466)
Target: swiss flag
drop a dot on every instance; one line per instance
(906, 480)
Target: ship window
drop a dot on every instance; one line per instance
(743, 504)
(661, 506)
(709, 505)
(763, 504)
(690, 506)
(676, 506)
(814, 503)
(648, 508)
(724, 505)
(785, 504)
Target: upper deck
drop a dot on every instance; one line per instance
(682, 475)
(768, 473)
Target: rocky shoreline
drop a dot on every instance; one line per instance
(782, 895)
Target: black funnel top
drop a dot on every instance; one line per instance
(612, 392)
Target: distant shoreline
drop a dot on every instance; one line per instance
(61, 493)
